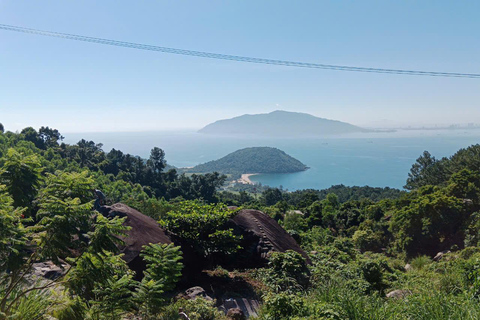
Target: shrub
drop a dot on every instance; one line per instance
(367, 240)
(198, 309)
(288, 265)
(282, 306)
(202, 227)
(420, 262)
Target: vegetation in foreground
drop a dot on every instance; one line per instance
(359, 240)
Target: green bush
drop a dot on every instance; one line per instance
(287, 270)
(367, 240)
(420, 262)
(279, 306)
(202, 226)
(74, 309)
(198, 309)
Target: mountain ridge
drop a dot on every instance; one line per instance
(280, 123)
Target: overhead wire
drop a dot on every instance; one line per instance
(220, 56)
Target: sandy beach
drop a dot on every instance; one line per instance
(245, 178)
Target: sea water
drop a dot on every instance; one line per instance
(373, 159)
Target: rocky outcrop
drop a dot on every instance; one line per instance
(261, 235)
(143, 231)
(240, 306)
(440, 255)
(48, 270)
(398, 294)
(195, 292)
(236, 314)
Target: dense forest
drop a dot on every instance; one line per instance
(373, 253)
(252, 160)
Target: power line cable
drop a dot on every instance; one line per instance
(220, 56)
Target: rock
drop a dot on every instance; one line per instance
(296, 212)
(248, 307)
(143, 231)
(440, 255)
(408, 267)
(48, 270)
(236, 314)
(196, 292)
(398, 294)
(261, 235)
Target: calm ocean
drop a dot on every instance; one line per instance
(374, 159)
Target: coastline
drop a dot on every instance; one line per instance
(245, 178)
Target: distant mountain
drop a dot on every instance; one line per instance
(280, 123)
(252, 160)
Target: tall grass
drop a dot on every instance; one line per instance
(420, 262)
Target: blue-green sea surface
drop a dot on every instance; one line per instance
(374, 159)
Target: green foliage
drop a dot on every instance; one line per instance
(271, 196)
(305, 198)
(340, 228)
(315, 237)
(430, 171)
(21, 175)
(92, 270)
(295, 222)
(67, 221)
(423, 172)
(367, 240)
(72, 309)
(50, 137)
(202, 226)
(163, 264)
(198, 309)
(420, 262)
(68, 185)
(149, 297)
(112, 298)
(282, 306)
(428, 223)
(287, 272)
(32, 306)
(13, 235)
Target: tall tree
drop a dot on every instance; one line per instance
(30, 134)
(426, 170)
(157, 159)
(49, 136)
(21, 175)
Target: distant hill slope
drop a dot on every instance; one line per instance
(280, 123)
(252, 160)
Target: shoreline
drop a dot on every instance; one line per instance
(245, 178)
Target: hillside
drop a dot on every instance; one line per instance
(338, 268)
(280, 123)
(253, 160)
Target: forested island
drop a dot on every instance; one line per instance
(340, 253)
(280, 124)
(252, 160)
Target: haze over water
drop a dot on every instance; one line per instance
(374, 159)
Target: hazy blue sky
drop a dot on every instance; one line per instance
(76, 86)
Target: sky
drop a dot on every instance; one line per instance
(85, 87)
